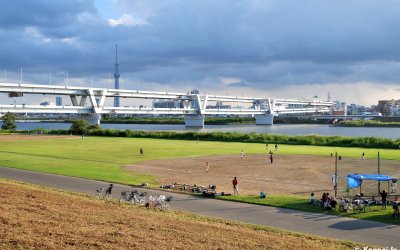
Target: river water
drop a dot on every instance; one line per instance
(289, 129)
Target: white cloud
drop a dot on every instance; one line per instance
(37, 35)
(229, 80)
(126, 20)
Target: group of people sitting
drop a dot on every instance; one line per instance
(327, 201)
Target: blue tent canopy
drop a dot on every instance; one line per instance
(355, 180)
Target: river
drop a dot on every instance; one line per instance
(289, 129)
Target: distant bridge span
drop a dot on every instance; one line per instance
(194, 106)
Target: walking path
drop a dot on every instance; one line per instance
(330, 226)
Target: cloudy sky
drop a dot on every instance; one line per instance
(262, 48)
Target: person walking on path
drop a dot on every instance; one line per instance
(141, 151)
(207, 166)
(235, 184)
(109, 190)
(384, 198)
(242, 155)
(271, 156)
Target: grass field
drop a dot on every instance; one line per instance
(103, 158)
(38, 218)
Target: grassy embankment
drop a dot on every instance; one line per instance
(39, 218)
(369, 123)
(103, 158)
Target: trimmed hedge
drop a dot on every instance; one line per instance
(317, 140)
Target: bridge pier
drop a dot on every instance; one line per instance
(264, 119)
(194, 120)
(93, 119)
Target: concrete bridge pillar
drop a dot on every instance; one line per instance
(265, 119)
(93, 119)
(194, 120)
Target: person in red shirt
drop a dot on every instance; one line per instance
(235, 186)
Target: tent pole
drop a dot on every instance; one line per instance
(379, 172)
(336, 179)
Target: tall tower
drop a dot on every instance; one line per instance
(116, 77)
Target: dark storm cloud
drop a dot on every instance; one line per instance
(43, 13)
(262, 43)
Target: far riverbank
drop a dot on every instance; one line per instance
(287, 129)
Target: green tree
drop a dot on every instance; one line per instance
(8, 122)
(79, 127)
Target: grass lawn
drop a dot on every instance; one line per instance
(375, 213)
(103, 158)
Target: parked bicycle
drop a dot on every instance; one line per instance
(159, 202)
(133, 197)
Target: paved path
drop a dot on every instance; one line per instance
(368, 232)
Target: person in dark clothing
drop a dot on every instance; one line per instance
(109, 190)
(271, 157)
(332, 203)
(384, 198)
(141, 151)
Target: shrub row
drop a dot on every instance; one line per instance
(371, 123)
(341, 141)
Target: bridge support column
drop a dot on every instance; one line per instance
(194, 120)
(265, 119)
(93, 119)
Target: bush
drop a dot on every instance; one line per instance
(8, 122)
(79, 127)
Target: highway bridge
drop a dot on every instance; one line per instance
(90, 102)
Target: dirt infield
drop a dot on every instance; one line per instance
(35, 137)
(289, 174)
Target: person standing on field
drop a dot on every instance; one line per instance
(271, 156)
(141, 151)
(207, 166)
(235, 184)
(242, 155)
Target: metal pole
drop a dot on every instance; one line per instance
(379, 172)
(336, 163)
